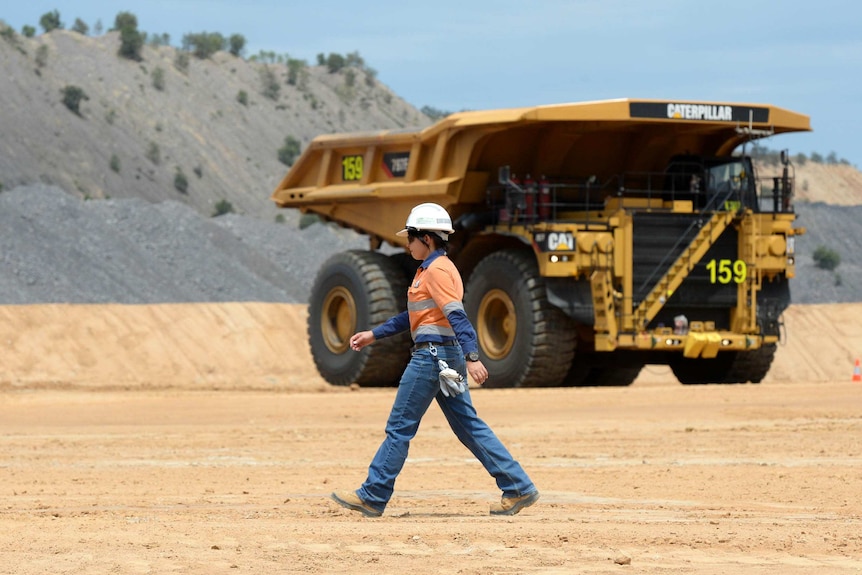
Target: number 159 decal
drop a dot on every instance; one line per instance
(351, 168)
(726, 271)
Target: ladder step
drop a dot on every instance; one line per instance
(681, 267)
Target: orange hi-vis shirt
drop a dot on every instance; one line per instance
(433, 290)
(435, 307)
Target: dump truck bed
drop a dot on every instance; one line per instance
(453, 161)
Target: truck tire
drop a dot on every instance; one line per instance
(751, 366)
(406, 264)
(700, 371)
(353, 291)
(524, 341)
(611, 369)
(617, 376)
(733, 367)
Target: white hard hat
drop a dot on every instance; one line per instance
(428, 218)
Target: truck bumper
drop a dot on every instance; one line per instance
(705, 344)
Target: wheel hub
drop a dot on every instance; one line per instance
(497, 324)
(338, 319)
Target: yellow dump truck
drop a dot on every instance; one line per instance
(594, 238)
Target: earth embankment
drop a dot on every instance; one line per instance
(264, 346)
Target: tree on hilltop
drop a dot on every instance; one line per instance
(335, 62)
(51, 21)
(204, 44)
(237, 44)
(131, 41)
(80, 27)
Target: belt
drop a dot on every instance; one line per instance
(425, 344)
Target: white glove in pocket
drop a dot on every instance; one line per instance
(451, 382)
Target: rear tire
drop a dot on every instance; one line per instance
(354, 291)
(732, 367)
(524, 341)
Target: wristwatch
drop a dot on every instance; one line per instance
(472, 356)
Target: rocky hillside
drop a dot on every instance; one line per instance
(143, 122)
(90, 211)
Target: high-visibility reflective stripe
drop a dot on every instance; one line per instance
(433, 330)
(453, 306)
(421, 305)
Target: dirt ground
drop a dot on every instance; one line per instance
(199, 439)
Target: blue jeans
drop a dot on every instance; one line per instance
(419, 386)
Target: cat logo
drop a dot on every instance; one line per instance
(561, 241)
(699, 112)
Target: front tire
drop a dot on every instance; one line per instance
(524, 341)
(611, 369)
(701, 371)
(353, 291)
(752, 366)
(617, 376)
(729, 368)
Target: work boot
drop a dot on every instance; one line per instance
(512, 505)
(352, 501)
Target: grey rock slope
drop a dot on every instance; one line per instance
(836, 228)
(56, 248)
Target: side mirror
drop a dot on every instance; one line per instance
(785, 159)
(504, 174)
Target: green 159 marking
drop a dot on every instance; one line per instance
(351, 168)
(726, 271)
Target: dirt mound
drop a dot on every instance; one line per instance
(264, 346)
(197, 346)
(837, 184)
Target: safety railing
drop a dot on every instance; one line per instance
(583, 199)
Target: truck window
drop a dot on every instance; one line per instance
(732, 181)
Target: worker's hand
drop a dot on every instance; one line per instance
(477, 371)
(361, 339)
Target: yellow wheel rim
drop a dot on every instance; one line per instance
(338, 319)
(497, 324)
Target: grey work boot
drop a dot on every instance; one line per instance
(512, 505)
(352, 501)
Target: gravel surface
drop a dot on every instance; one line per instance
(56, 248)
(836, 228)
(656, 479)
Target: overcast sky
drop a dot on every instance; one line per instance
(455, 55)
